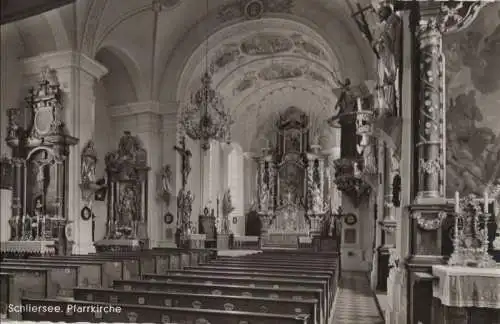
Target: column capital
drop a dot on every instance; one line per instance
(64, 60)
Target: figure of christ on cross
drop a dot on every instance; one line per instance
(185, 156)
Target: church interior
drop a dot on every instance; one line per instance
(250, 161)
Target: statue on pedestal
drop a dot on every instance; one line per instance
(89, 161)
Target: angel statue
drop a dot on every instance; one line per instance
(166, 184)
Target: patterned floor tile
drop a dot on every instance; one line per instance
(355, 302)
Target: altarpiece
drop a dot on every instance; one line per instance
(127, 173)
(291, 183)
(39, 222)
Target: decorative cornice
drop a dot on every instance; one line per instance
(136, 108)
(61, 60)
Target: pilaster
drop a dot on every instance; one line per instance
(169, 134)
(143, 119)
(77, 74)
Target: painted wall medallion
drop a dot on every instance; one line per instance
(254, 9)
(235, 220)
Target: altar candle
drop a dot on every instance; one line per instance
(457, 202)
(360, 105)
(486, 201)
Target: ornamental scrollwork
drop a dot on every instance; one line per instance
(432, 167)
(429, 222)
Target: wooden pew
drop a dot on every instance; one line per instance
(291, 262)
(9, 295)
(31, 281)
(118, 266)
(207, 301)
(250, 281)
(74, 311)
(88, 273)
(262, 274)
(219, 289)
(280, 270)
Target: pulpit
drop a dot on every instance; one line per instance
(39, 224)
(127, 172)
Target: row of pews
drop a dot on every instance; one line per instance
(171, 286)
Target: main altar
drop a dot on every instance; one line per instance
(292, 189)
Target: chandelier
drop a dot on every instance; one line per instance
(205, 118)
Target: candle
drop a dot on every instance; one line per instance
(486, 201)
(360, 105)
(457, 202)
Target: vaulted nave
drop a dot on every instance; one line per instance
(250, 161)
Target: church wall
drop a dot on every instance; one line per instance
(105, 141)
(194, 181)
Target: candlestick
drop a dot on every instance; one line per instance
(457, 202)
(486, 201)
(360, 105)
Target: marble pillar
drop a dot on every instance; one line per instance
(143, 119)
(77, 74)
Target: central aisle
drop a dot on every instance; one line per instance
(355, 302)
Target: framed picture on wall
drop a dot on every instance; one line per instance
(235, 220)
(168, 218)
(351, 219)
(350, 236)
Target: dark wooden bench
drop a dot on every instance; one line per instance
(9, 295)
(206, 301)
(331, 285)
(74, 311)
(285, 263)
(127, 266)
(32, 282)
(250, 281)
(219, 289)
(87, 274)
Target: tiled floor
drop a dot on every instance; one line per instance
(355, 302)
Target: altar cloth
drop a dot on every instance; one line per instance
(467, 286)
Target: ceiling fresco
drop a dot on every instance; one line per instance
(473, 104)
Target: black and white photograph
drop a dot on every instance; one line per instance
(250, 161)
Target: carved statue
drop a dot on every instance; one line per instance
(388, 45)
(185, 156)
(13, 126)
(185, 206)
(128, 207)
(264, 198)
(89, 161)
(370, 162)
(317, 200)
(166, 184)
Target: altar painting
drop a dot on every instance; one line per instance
(473, 105)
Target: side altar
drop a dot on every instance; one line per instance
(127, 173)
(292, 189)
(37, 171)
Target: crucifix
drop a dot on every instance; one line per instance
(185, 156)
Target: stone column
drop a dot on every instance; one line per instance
(77, 75)
(169, 134)
(249, 172)
(143, 119)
